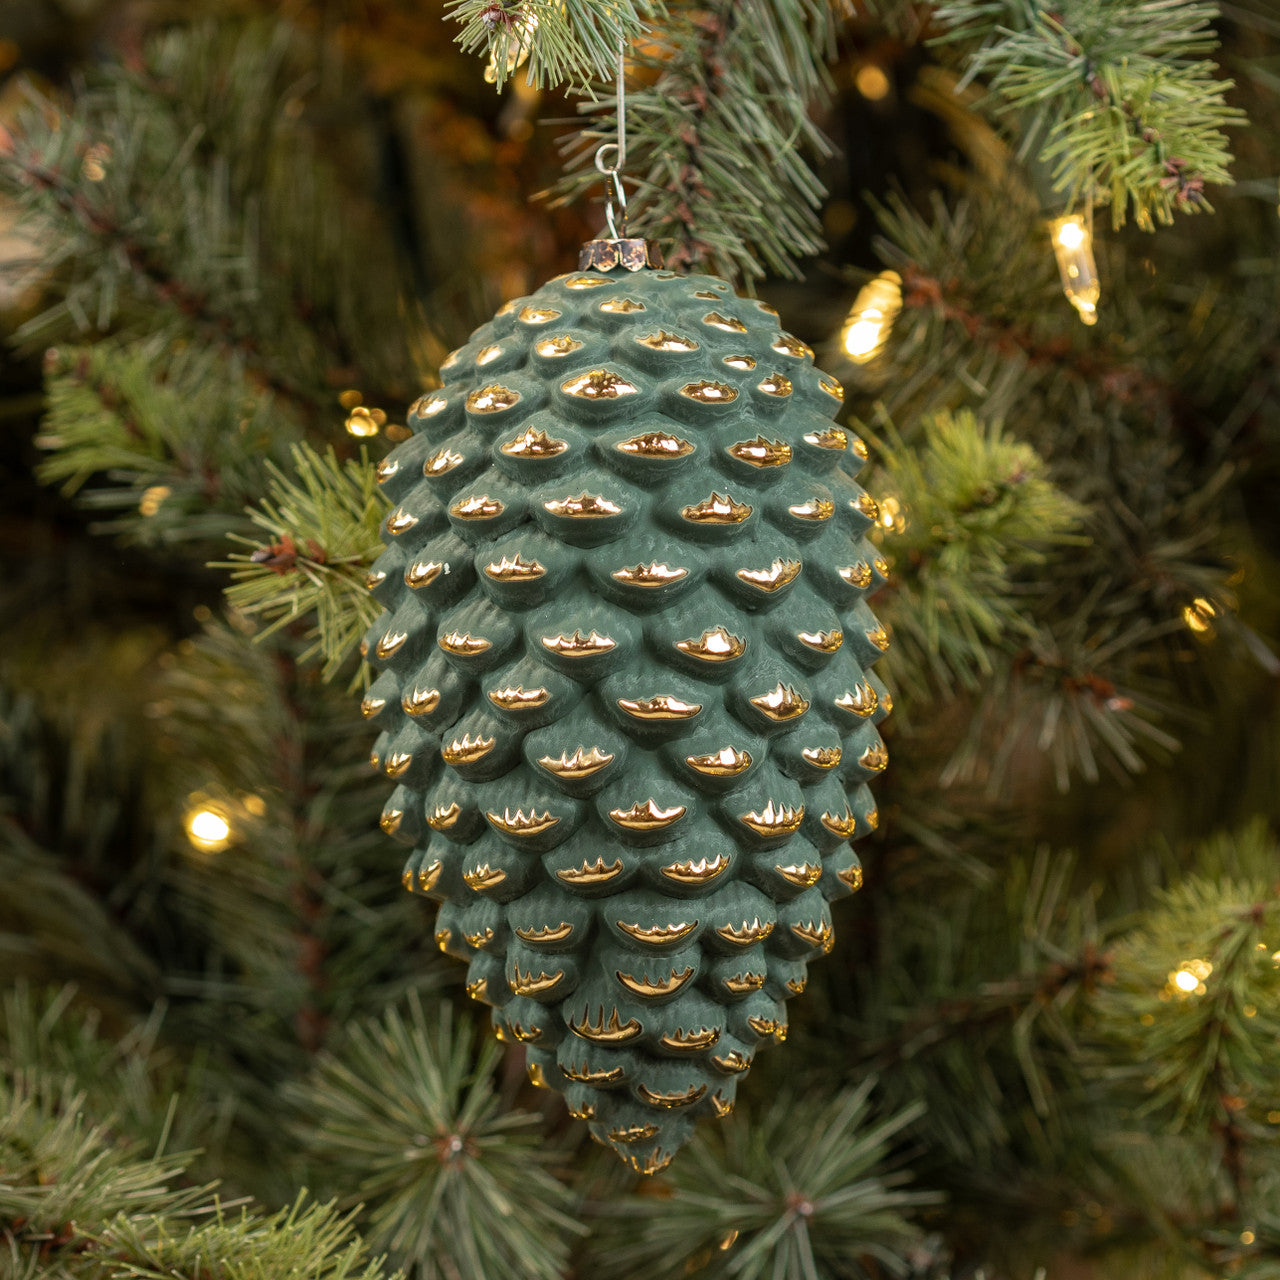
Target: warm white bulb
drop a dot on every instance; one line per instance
(1185, 980)
(863, 336)
(208, 829)
(1070, 234)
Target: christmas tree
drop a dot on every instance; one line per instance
(1039, 248)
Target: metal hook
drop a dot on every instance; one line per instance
(615, 195)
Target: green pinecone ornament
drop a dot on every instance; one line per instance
(624, 686)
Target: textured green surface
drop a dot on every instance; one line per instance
(585, 430)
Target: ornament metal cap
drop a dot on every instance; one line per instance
(628, 254)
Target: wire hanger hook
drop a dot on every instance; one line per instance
(615, 204)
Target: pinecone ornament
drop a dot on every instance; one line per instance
(624, 684)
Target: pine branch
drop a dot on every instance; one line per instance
(323, 523)
(1116, 96)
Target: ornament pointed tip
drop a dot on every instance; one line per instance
(613, 255)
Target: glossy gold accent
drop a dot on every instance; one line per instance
(586, 506)
(852, 877)
(653, 1163)
(741, 984)
(797, 985)
(596, 872)
(840, 824)
(728, 762)
(728, 323)
(716, 645)
(709, 294)
(660, 707)
(804, 874)
(374, 578)
(547, 933)
(582, 764)
(386, 469)
(716, 510)
(514, 569)
(621, 306)
(578, 645)
(761, 452)
(886, 701)
(664, 341)
(519, 698)
(479, 940)
(584, 1112)
(487, 355)
(373, 759)
(422, 573)
(563, 345)
(633, 1133)
(599, 384)
(647, 816)
(781, 703)
(443, 938)
(733, 1062)
(655, 444)
(832, 388)
(878, 637)
(816, 935)
(483, 876)
(740, 362)
(691, 1041)
(821, 641)
(444, 817)
(479, 990)
(525, 984)
(653, 574)
(397, 763)
(467, 750)
(700, 871)
(859, 701)
(708, 392)
(464, 644)
(721, 1106)
(505, 310)
(873, 819)
(539, 315)
(882, 566)
(778, 575)
(429, 406)
(822, 757)
(768, 1027)
(492, 399)
(874, 757)
(658, 934)
(646, 986)
(586, 282)
(747, 933)
(526, 1035)
(371, 705)
(406, 879)
(390, 820)
(420, 702)
(774, 384)
(400, 521)
(785, 345)
(584, 1075)
(364, 647)
(813, 509)
(774, 820)
(536, 1077)
(477, 506)
(521, 824)
(857, 575)
(429, 875)
(610, 1030)
(831, 438)
(865, 505)
(391, 644)
(859, 447)
(533, 443)
(680, 1098)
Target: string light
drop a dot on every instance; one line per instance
(1188, 978)
(208, 828)
(893, 515)
(874, 310)
(871, 81)
(364, 422)
(1199, 615)
(153, 498)
(1073, 247)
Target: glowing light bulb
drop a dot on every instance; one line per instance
(208, 829)
(1073, 247)
(874, 310)
(1185, 980)
(1199, 615)
(871, 81)
(364, 422)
